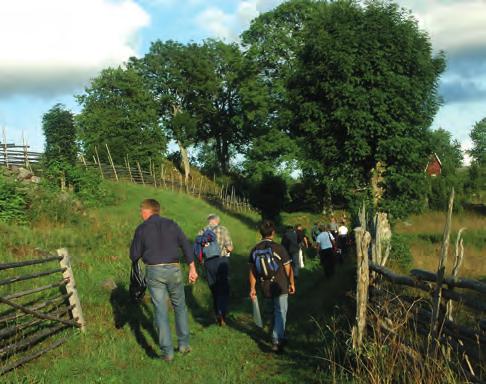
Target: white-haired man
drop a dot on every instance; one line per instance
(216, 263)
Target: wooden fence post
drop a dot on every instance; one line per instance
(140, 172)
(363, 239)
(437, 294)
(99, 163)
(5, 156)
(71, 287)
(111, 162)
(459, 257)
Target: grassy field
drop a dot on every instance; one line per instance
(425, 235)
(119, 345)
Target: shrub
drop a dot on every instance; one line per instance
(13, 201)
(400, 251)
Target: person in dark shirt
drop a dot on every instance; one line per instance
(157, 242)
(278, 287)
(291, 245)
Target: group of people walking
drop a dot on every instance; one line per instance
(272, 266)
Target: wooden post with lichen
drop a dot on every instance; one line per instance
(437, 294)
(363, 239)
(110, 159)
(68, 275)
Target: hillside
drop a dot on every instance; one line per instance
(119, 345)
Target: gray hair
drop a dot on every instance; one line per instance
(213, 216)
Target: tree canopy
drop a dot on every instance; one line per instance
(119, 111)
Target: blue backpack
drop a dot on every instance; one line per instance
(212, 247)
(267, 263)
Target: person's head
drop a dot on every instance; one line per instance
(343, 222)
(327, 228)
(333, 219)
(149, 207)
(213, 220)
(322, 227)
(267, 229)
(298, 227)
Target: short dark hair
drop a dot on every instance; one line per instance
(151, 204)
(267, 227)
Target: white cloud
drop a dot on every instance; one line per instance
(55, 46)
(227, 25)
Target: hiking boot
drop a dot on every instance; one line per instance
(184, 350)
(167, 358)
(277, 347)
(221, 321)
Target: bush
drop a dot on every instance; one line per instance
(13, 201)
(400, 251)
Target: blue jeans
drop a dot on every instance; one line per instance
(280, 307)
(295, 263)
(165, 282)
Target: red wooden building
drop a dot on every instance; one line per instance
(434, 166)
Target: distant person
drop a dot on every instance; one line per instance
(157, 242)
(325, 244)
(342, 241)
(270, 265)
(303, 242)
(315, 232)
(216, 255)
(291, 245)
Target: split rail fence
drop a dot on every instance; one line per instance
(37, 302)
(448, 312)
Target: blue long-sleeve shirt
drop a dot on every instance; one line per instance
(158, 240)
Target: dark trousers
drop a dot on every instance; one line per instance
(217, 271)
(342, 244)
(327, 261)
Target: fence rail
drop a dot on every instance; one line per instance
(30, 317)
(448, 311)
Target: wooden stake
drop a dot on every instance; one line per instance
(71, 287)
(130, 171)
(111, 162)
(459, 257)
(153, 173)
(434, 326)
(5, 156)
(99, 164)
(162, 176)
(140, 172)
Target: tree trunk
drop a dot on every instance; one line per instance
(185, 161)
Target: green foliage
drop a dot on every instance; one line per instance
(13, 201)
(400, 251)
(478, 137)
(118, 110)
(360, 96)
(60, 136)
(269, 196)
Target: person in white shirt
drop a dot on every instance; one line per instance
(325, 246)
(342, 241)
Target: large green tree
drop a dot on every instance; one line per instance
(60, 135)
(118, 110)
(173, 73)
(364, 93)
(478, 138)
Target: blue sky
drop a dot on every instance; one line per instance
(51, 48)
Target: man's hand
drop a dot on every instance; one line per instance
(253, 294)
(291, 289)
(192, 273)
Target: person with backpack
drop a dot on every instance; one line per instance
(215, 244)
(326, 248)
(157, 242)
(270, 266)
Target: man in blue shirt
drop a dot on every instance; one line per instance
(157, 242)
(325, 244)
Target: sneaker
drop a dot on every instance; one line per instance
(184, 350)
(221, 321)
(167, 358)
(277, 347)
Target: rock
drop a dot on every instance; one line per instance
(109, 284)
(24, 174)
(35, 179)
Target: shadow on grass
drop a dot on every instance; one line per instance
(248, 221)
(137, 316)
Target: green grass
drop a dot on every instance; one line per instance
(119, 346)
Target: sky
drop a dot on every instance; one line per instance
(50, 49)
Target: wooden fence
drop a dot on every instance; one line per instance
(448, 311)
(33, 316)
(168, 177)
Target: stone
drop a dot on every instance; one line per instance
(109, 284)
(24, 174)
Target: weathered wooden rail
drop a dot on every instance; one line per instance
(31, 315)
(422, 304)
